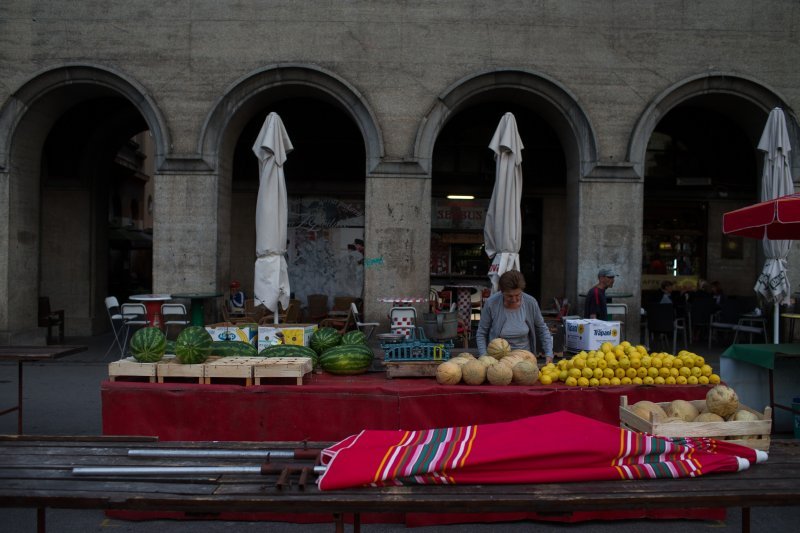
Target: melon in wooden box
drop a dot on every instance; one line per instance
(751, 433)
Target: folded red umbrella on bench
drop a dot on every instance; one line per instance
(555, 447)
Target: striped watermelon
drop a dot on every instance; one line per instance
(325, 338)
(193, 345)
(290, 350)
(233, 349)
(354, 337)
(148, 345)
(346, 359)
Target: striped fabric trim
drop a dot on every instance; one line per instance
(645, 456)
(426, 457)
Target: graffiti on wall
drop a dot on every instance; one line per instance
(326, 247)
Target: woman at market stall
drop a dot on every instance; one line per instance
(514, 316)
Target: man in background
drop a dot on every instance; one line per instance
(595, 306)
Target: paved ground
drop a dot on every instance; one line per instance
(63, 398)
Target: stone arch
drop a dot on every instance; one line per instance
(551, 99)
(758, 94)
(77, 83)
(242, 99)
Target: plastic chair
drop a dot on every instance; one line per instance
(134, 315)
(117, 324)
(49, 319)
(403, 320)
(174, 315)
(661, 321)
(367, 328)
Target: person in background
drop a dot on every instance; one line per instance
(514, 316)
(667, 287)
(717, 293)
(595, 306)
(237, 298)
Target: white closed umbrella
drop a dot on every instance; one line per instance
(271, 285)
(503, 229)
(776, 181)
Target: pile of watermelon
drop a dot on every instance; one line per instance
(342, 354)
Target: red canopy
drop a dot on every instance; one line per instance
(773, 219)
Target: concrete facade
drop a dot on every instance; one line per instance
(600, 73)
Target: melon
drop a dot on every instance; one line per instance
(682, 409)
(448, 373)
(193, 345)
(148, 345)
(708, 417)
(499, 374)
(498, 348)
(722, 400)
(525, 373)
(487, 360)
(473, 373)
(742, 415)
(651, 407)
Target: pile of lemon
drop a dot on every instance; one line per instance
(626, 364)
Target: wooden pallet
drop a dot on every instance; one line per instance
(411, 369)
(282, 367)
(232, 368)
(130, 367)
(169, 370)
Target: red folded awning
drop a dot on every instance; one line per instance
(773, 219)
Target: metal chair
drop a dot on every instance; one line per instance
(50, 319)
(117, 324)
(134, 315)
(174, 315)
(367, 328)
(403, 320)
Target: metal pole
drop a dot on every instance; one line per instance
(258, 454)
(172, 470)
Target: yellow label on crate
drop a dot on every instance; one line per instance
(295, 336)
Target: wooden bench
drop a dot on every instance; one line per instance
(42, 475)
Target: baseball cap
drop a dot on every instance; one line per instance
(607, 272)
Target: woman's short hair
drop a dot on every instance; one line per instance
(511, 280)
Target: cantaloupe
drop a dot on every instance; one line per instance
(499, 374)
(708, 417)
(682, 409)
(448, 373)
(487, 360)
(473, 373)
(525, 373)
(722, 400)
(498, 348)
(652, 408)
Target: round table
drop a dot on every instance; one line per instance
(197, 303)
(152, 302)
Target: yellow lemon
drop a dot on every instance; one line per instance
(677, 363)
(613, 364)
(608, 373)
(563, 375)
(713, 379)
(625, 381)
(591, 362)
(599, 373)
(641, 372)
(579, 363)
(658, 380)
(699, 361)
(594, 382)
(583, 382)
(605, 382)
(636, 362)
(663, 371)
(615, 381)
(647, 380)
(637, 380)
(587, 373)
(546, 379)
(702, 380)
(656, 362)
(602, 363)
(696, 372)
(692, 380)
(631, 373)
(685, 371)
(652, 372)
(625, 344)
(706, 370)
(620, 373)
(669, 380)
(606, 346)
(681, 380)
(641, 349)
(667, 362)
(571, 381)
(647, 361)
(625, 363)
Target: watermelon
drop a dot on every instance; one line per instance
(289, 350)
(346, 359)
(193, 345)
(233, 349)
(170, 347)
(354, 337)
(325, 338)
(148, 345)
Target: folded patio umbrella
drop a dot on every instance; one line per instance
(555, 447)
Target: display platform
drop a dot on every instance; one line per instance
(330, 408)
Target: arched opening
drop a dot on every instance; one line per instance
(78, 153)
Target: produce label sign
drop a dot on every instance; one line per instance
(229, 333)
(296, 334)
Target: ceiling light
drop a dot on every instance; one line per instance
(460, 197)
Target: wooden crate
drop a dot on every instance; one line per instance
(282, 367)
(130, 367)
(411, 369)
(172, 370)
(757, 432)
(233, 367)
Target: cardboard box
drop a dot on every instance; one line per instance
(589, 334)
(297, 334)
(229, 332)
